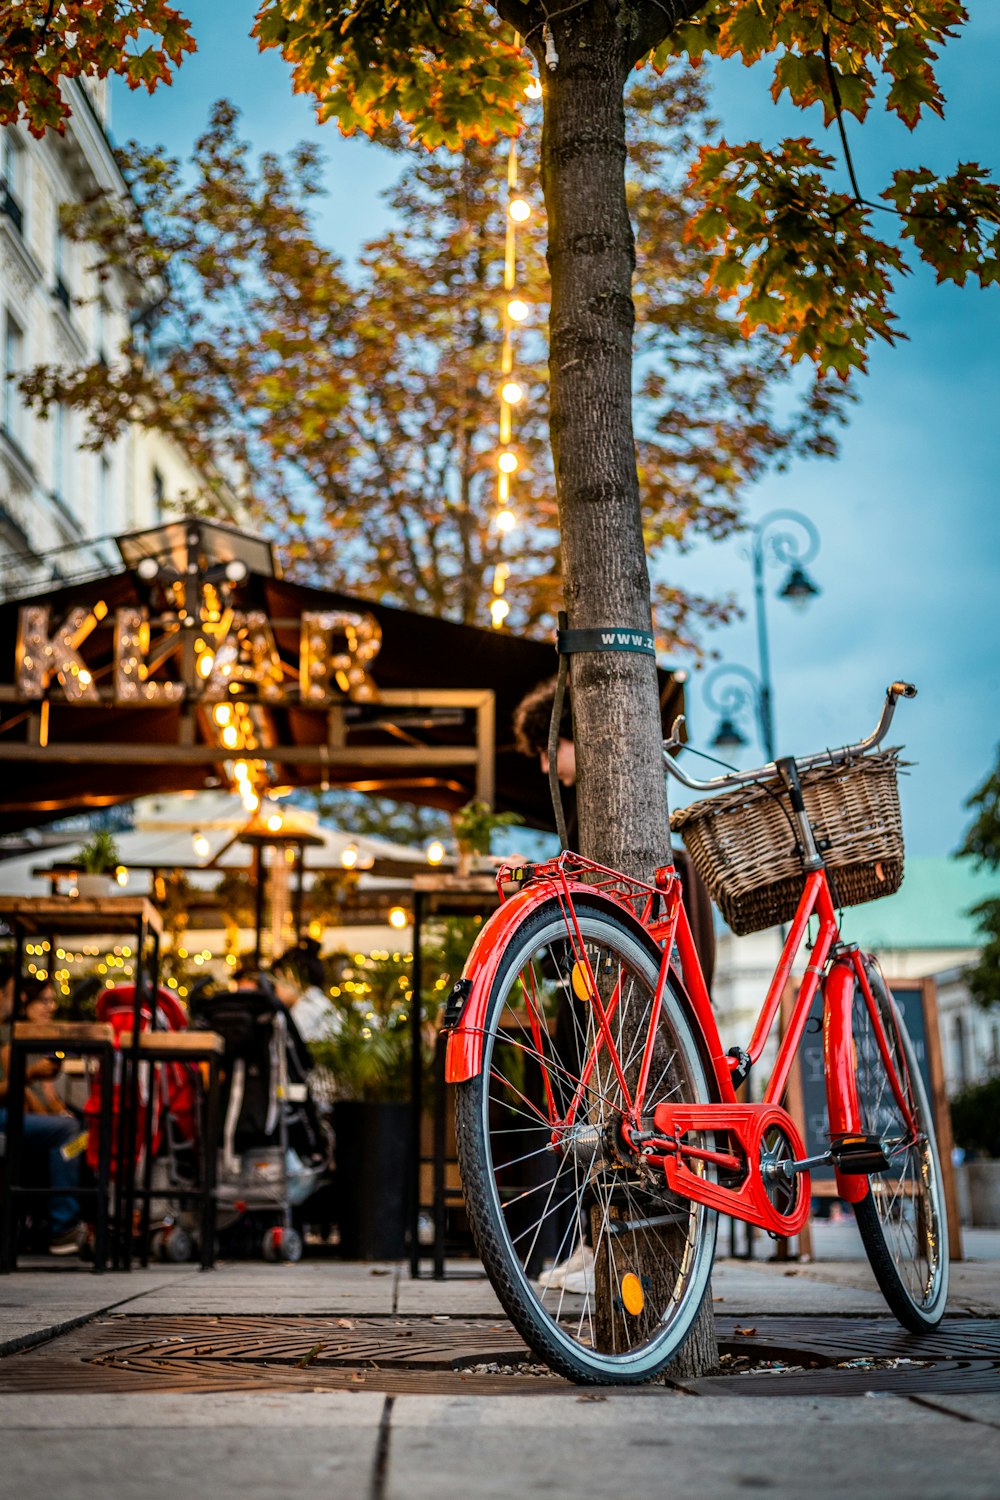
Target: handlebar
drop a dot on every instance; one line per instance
(765, 773)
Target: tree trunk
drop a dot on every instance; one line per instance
(621, 798)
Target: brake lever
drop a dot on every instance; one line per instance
(675, 742)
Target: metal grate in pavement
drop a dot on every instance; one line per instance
(483, 1356)
(961, 1356)
(227, 1353)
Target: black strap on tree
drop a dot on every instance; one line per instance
(554, 722)
(606, 638)
(568, 643)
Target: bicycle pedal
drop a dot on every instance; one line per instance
(859, 1155)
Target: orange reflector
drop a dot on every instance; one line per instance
(632, 1294)
(581, 984)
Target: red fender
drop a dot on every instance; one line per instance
(838, 1053)
(464, 1057)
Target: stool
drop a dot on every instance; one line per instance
(82, 1039)
(177, 1047)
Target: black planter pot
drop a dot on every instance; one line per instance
(373, 1154)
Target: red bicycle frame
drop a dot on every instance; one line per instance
(658, 915)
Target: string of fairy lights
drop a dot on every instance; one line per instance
(515, 312)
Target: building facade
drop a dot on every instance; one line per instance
(61, 505)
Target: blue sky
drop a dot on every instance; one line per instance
(908, 515)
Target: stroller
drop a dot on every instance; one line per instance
(167, 1121)
(276, 1149)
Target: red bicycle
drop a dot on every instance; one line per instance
(596, 1108)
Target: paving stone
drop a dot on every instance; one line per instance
(683, 1447)
(230, 1462)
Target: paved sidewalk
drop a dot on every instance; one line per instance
(248, 1444)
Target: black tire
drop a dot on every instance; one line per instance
(902, 1216)
(529, 1203)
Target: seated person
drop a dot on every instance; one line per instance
(37, 1003)
(299, 984)
(45, 1134)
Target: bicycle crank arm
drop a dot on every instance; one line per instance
(772, 1171)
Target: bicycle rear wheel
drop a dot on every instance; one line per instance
(902, 1216)
(546, 1181)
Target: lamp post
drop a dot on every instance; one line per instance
(729, 691)
(789, 538)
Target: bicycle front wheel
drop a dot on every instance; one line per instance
(902, 1216)
(600, 1268)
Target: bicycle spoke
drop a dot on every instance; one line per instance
(565, 1044)
(901, 1217)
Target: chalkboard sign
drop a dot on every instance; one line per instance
(909, 996)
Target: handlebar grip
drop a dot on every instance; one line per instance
(903, 690)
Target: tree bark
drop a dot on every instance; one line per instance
(591, 254)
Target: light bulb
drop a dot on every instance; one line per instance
(506, 520)
(519, 210)
(121, 875)
(274, 822)
(205, 664)
(349, 857)
(435, 852)
(507, 462)
(241, 771)
(397, 917)
(517, 310)
(222, 714)
(499, 609)
(250, 799)
(512, 393)
(230, 736)
(201, 846)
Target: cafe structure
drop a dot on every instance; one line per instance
(198, 669)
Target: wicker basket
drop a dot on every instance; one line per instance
(743, 842)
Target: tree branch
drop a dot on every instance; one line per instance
(656, 19)
(523, 15)
(835, 96)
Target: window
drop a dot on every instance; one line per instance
(13, 361)
(60, 285)
(62, 440)
(958, 1052)
(13, 174)
(101, 329)
(103, 495)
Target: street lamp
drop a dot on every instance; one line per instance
(729, 691)
(791, 539)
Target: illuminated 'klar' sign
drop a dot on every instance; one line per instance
(239, 653)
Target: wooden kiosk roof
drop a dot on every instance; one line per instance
(437, 732)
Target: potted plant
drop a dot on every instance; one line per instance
(975, 1123)
(96, 862)
(366, 1051)
(474, 826)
